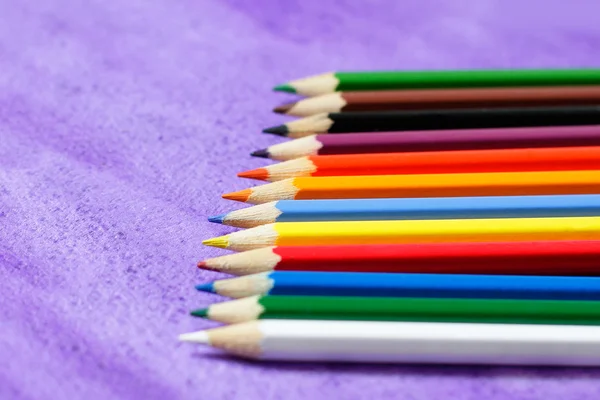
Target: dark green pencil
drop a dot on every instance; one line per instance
(385, 80)
(557, 312)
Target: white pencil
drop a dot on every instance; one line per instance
(407, 342)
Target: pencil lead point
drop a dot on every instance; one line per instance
(262, 153)
(217, 219)
(195, 337)
(202, 265)
(258, 173)
(221, 242)
(241, 195)
(280, 130)
(206, 287)
(284, 88)
(201, 312)
(284, 108)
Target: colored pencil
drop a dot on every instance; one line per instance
(503, 311)
(406, 342)
(426, 185)
(407, 285)
(439, 162)
(442, 98)
(426, 120)
(406, 209)
(417, 231)
(562, 258)
(445, 140)
(383, 80)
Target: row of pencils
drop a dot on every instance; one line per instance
(422, 217)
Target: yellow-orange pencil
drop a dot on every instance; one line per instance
(427, 185)
(415, 231)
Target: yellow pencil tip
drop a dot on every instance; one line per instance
(242, 195)
(221, 242)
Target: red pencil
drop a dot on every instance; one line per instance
(436, 162)
(567, 258)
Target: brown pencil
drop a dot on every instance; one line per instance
(442, 99)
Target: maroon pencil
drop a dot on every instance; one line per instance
(416, 141)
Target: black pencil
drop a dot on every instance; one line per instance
(383, 121)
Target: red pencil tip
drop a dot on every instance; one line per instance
(258, 173)
(242, 195)
(203, 265)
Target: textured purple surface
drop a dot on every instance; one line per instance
(121, 125)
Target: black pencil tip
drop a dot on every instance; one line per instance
(262, 153)
(280, 130)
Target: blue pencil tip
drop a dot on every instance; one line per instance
(217, 219)
(206, 287)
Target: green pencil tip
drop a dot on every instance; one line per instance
(201, 312)
(285, 88)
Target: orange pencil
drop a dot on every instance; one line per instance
(427, 185)
(438, 162)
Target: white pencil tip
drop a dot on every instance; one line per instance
(195, 337)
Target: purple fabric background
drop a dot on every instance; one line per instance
(122, 122)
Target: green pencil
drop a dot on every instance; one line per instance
(386, 80)
(554, 312)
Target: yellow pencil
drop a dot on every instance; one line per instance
(416, 231)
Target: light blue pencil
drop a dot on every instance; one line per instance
(420, 208)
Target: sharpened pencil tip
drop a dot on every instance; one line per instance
(221, 242)
(258, 173)
(284, 108)
(201, 312)
(202, 264)
(242, 195)
(280, 130)
(195, 337)
(217, 219)
(206, 287)
(262, 153)
(285, 88)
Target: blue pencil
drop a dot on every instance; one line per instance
(420, 208)
(408, 285)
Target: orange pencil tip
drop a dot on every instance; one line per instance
(258, 173)
(242, 195)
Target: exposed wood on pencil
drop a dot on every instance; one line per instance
(343, 308)
(561, 258)
(444, 140)
(383, 100)
(472, 118)
(461, 161)
(414, 231)
(431, 79)
(426, 185)
(407, 342)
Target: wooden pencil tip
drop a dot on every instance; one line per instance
(280, 130)
(242, 195)
(285, 88)
(258, 173)
(221, 242)
(262, 153)
(284, 108)
(201, 312)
